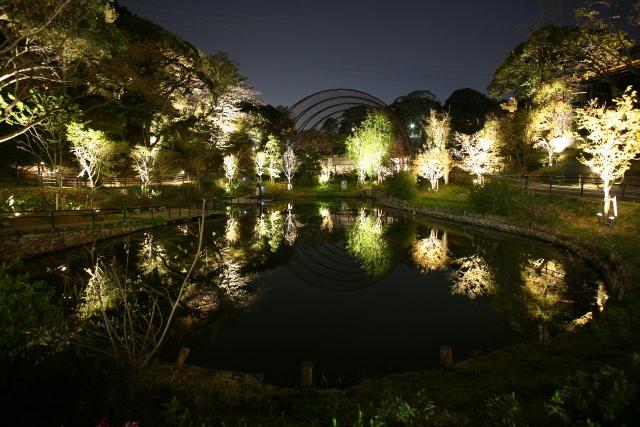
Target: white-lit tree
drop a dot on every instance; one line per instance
(260, 162)
(230, 166)
(144, 160)
(274, 157)
(369, 147)
(478, 152)
(437, 130)
(93, 149)
(612, 139)
(551, 119)
(290, 165)
(431, 164)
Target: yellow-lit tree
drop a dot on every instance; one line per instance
(432, 164)
(552, 118)
(612, 139)
(370, 145)
(431, 253)
(437, 129)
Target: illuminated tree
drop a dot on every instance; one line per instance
(437, 129)
(230, 166)
(431, 164)
(365, 240)
(431, 253)
(40, 43)
(93, 150)
(612, 139)
(260, 162)
(551, 119)
(473, 278)
(289, 165)
(274, 157)
(325, 170)
(369, 146)
(144, 161)
(479, 152)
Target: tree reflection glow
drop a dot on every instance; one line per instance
(430, 253)
(473, 278)
(365, 240)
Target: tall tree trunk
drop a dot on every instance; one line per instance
(607, 199)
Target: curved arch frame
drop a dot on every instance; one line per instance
(342, 99)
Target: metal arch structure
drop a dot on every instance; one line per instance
(312, 111)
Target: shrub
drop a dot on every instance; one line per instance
(274, 189)
(496, 197)
(402, 185)
(608, 397)
(29, 316)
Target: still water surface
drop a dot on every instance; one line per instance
(357, 290)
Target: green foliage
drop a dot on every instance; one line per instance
(175, 414)
(29, 315)
(402, 185)
(504, 409)
(497, 197)
(370, 145)
(273, 189)
(608, 397)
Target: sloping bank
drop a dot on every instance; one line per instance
(19, 245)
(607, 263)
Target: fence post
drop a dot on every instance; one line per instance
(189, 211)
(550, 184)
(152, 214)
(124, 216)
(581, 182)
(179, 212)
(53, 221)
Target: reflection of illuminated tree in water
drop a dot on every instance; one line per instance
(544, 284)
(365, 240)
(269, 227)
(430, 253)
(290, 227)
(152, 257)
(231, 232)
(327, 221)
(474, 278)
(100, 294)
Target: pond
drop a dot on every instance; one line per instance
(355, 289)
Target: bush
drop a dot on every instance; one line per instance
(402, 185)
(274, 189)
(608, 397)
(29, 316)
(496, 197)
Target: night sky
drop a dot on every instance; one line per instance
(288, 49)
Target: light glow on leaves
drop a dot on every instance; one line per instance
(290, 165)
(544, 284)
(613, 139)
(479, 151)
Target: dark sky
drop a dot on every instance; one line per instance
(290, 48)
